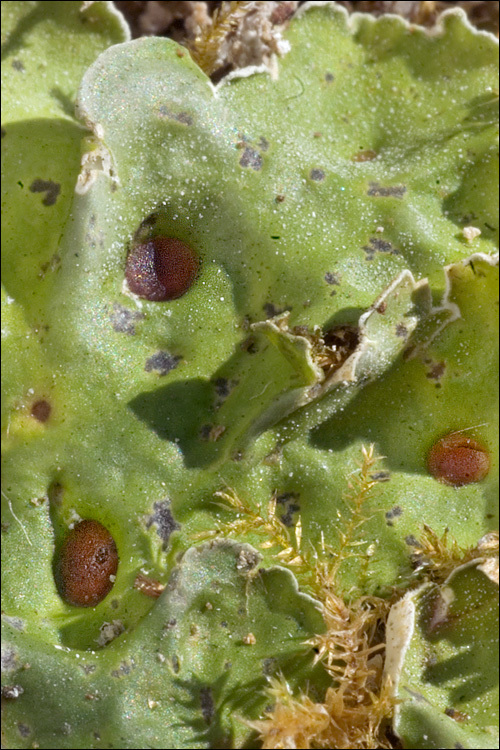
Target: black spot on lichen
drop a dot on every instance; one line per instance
(436, 371)
(378, 245)
(290, 506)
(18, 65)
(270, 666)
(162, 362)
(163, 519)
(183, 117)
(222, 387)
(123, 320)
(251, 158)
(3, 132)
(249, 345)
(272, 310)
(458, 746)
(412, 541)
(317, 175)
(329, 77)
(380, 191)
(207, 704)
(51, 189)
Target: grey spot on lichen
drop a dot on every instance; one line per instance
(247, 560)
(55, 494)
(212, 432)
(88, 668)
(317, 175)
(18, 65)
(123, 669)
(3, 132)
(458, 746)
(51, 189)
(123, 319)
(109, 631)
(269, 666)
(183, 117)
(380, 191)
(393, 513)
(12, 692)
(207, 704)
(378, 245)
(14, 622)
(67, 728)
(49, 265)
(170, 625)
(162, 362)
(251, 158)
(263, 143)
(332, 278)
(176, 665)
(205, 431)
(401, 331)
(329, 77)
(10, 659)
(24, 730)
(163, 519)
(381, 476)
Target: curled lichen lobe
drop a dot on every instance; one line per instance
(86, 564)
(457, 460)
(161, 269)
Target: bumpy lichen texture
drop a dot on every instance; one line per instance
(334, 297)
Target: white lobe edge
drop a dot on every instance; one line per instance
(353, 19)
(399, 632)
(113, 11)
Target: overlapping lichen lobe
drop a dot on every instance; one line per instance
(162, 269)
(458, 460)
(87, 564)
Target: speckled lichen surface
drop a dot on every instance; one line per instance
(341, 224)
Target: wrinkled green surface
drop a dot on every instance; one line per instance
(448, 683)
(124, 442)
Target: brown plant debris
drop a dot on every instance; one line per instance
(241, 34)
(438, 556)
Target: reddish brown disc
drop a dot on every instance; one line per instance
(87, 560)
(162, 269)
(458, 460)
